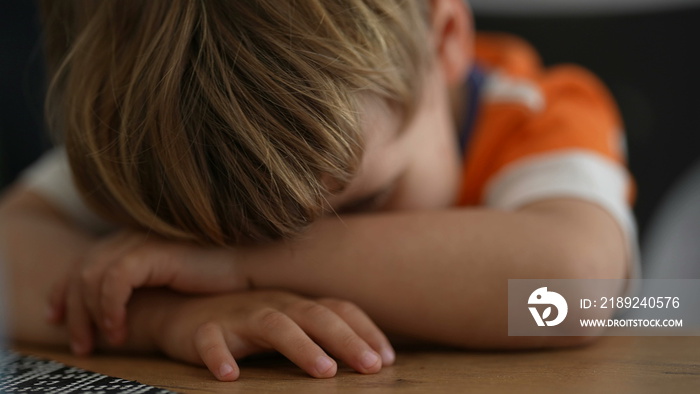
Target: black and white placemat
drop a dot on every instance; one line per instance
(27, 374)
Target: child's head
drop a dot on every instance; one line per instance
(229, 121)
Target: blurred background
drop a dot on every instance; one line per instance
(22, 136)
(644, 50)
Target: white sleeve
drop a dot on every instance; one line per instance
(571, 173)
(51, 177)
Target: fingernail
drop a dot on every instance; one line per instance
(388, 356)
(369, 359)
(225, 369)
(323, 365)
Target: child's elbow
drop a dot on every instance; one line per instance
(594, 260)
(583, 241)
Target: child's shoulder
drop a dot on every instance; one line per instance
(507, 52)
(528, 113)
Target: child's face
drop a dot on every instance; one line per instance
(417, 167)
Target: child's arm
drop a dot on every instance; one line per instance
(117, 264)
(442, 276)
(39, 246)
(42, 250)
(435, 275)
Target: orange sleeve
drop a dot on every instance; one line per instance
(507, 52)
(577, 112)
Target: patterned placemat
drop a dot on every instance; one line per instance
(20, 373)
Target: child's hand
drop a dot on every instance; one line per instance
(98, 290)
(217, 330)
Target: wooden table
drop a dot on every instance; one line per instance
(613, 364)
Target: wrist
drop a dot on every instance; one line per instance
(235, 274)
(260, 267)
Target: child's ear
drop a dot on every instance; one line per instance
(453, 35)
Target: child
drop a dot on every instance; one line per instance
(280, 153)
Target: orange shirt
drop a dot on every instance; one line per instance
(541, 133)
(526, 111)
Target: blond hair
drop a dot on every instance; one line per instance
(224, 121)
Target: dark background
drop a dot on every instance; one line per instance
(647, 59)
(22, 136)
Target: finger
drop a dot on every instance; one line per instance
(211, 346)
(159, 265)
(90, 280)
(115, 289)
(143, 267)
(358, 320)
(112, 298)
(331, 332)
(78, 320)
(57, 303)
(278, 331)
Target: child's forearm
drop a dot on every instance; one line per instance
(442, 276)
(38, 248)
